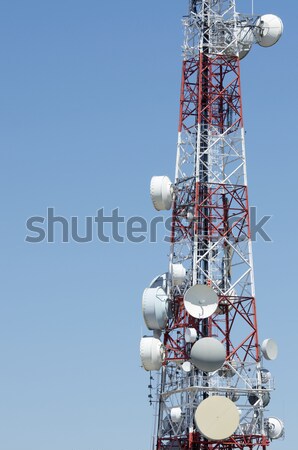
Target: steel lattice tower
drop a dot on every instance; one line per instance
(205, 307)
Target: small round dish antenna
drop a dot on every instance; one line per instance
(200, 301)
(155, 308)
(191, 335)
(161, 191)
(178, 274)
(269, 349)
(275, 428)
(152, 353)
(253, 398)
(176, 414)
(208, 354)
(186, 366)
(228, 370)
(269, 30)
(217, 418)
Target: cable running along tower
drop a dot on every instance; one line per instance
(204, 353)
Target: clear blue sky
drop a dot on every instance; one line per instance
(88, 113)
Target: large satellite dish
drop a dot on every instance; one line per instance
(208, 354)
(200, 301)
(152, 353)
(269, 349)
(217, 418)
(155, 308)
(191, 335)
(270, 29)
(161, 192)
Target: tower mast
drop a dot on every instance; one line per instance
(213, 389)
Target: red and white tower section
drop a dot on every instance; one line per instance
(212, 389)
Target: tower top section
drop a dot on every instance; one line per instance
(215, 27)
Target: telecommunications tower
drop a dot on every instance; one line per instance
(204, 353)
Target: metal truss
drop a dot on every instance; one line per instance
(211, 237)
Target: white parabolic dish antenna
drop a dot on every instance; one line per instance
(200, 301)
(208, 354)
(186, 366)
(161, 192)
(152, 353)
(155, 308)
(217, 418)
(191, 335)
(269, 349)
(276, 428)
(176, 414)
(270, 30)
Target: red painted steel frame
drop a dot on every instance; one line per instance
(210, 93)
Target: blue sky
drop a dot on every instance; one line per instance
(89, 98)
